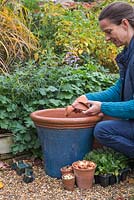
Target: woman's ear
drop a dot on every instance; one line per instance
(125, 23)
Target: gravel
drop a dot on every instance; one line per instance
(47, 188)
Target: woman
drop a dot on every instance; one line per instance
(117, 22)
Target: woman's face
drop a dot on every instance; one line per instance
(117, 34)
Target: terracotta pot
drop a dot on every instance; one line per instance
(56, 118)
(84, 173)
(66, 170)
(68, 181)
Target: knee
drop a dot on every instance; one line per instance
(99, 130)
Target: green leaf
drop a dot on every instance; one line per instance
(67, 87)
(51, 89)
(3, 114)
(55, 102)
(42, 91)
(4, 100)
(27, 137)
(42, 102)
(28, 122)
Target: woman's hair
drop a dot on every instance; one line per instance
(117, 11)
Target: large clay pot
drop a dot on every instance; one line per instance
(63, 139)
(84, 172)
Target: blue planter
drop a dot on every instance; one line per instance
(63, 140)
(63, 147)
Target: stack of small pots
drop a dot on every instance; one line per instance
(68, 177)
(81, 173)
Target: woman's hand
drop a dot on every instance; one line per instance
(81, 103)
(94, 108)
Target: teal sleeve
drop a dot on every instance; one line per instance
(111, 94)
(123, 110)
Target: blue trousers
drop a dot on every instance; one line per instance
(116, 134)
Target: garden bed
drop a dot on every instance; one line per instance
(47, 188)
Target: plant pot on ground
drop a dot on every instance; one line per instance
(66, 169)
(68, 181)
(96, 179)
(113, 179)
(6, 142)
(104, 180)
(84, 173)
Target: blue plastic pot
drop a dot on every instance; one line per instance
(63, 140)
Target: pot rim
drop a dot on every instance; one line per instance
(92, 168)
(72, 174)
(62, 122)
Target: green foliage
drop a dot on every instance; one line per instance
(32, 88)
(31, 4)
(108, 161)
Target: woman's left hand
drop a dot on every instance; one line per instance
(94, 109)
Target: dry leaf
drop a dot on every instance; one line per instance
(1, 185)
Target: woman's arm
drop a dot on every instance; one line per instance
(111, 94)
(124, 109)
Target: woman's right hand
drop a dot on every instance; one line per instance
(83, 100)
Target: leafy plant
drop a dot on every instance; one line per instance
(108, 161)
(33, 87)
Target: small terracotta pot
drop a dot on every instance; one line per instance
(68, 181)
(84, 173)
(66, 169)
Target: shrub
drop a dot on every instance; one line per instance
(76, 31)
(34, 88)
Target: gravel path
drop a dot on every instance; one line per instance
(47, 188)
